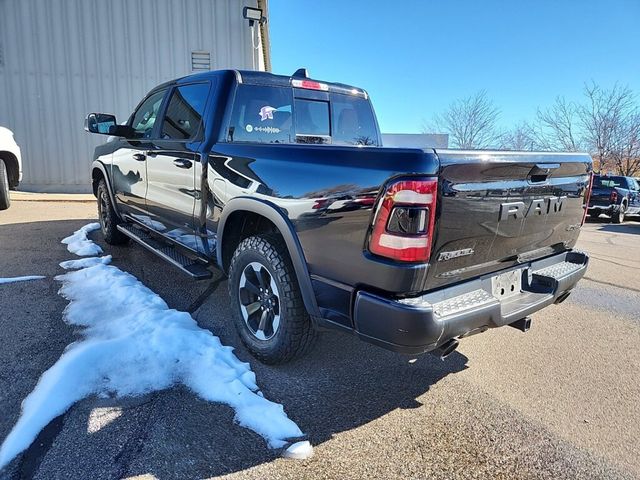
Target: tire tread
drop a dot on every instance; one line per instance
(298, 335)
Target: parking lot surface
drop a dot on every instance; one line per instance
(560, 401)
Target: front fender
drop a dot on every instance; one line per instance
(97, 165)
(284, 226)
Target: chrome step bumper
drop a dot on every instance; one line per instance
(422, 323)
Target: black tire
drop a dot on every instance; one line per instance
(108, 218)
(594, 214)
(294, 334)
(618, 217)
(5, 200)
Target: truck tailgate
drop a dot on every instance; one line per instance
(498, 209)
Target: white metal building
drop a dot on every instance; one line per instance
(62, 59)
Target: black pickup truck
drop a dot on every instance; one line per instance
(281, 182)
(615, 196)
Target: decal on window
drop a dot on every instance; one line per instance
(266, 113)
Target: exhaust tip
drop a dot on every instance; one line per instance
(524, 324)
(446, 349)
(562, 297)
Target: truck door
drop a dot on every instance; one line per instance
(171, 164)
(129, 171)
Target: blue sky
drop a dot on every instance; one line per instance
(415, 57)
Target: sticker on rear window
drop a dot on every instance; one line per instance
(266, 113)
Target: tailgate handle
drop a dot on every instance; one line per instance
(541, 171)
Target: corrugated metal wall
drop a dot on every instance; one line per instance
(61, 59)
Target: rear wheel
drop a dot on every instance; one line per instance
(270, 315)
(618, 217)
(5, 200)
(108, 218)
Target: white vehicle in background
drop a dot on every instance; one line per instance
(10, 166)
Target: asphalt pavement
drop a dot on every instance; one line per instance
(560, 401)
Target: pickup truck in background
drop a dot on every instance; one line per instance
(281, 183)
(615, 196)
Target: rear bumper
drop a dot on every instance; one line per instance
(420, 324)
(604, 208)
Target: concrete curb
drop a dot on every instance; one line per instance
(51, 197)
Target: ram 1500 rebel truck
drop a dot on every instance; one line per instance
(281, 183)
(615, 196)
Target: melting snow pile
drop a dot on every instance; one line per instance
(86, 262)
(132, 344)
(79, 244)
(21, 279)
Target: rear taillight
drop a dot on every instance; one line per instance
(587, 198)
(403, 225)
(613, 198)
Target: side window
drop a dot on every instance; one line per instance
(145, 117)
(261, 115)
(312, 121)
(184, 112)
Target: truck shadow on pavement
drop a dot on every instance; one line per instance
(632, 228)
(341, 385)
(631, 225)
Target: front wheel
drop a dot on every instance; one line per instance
(5, 200)
(269, 312)
(618, 217)
(108, 217)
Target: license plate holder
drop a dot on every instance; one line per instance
(507, 284)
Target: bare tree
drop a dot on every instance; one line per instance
(557, 128)
(625, 151)
(606, 118)
(521, 137)
(470, 122)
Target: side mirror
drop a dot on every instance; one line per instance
(101, 123)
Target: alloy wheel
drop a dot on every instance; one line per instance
(103, 206)
(259, 301)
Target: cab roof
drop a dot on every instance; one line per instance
(252, 77)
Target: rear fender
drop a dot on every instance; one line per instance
(282, 223)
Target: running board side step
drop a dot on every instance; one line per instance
(194, 268)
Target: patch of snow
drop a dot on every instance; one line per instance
(133, 344)
(86, 262)
(299, 451)
(21, 279)
(79, 244)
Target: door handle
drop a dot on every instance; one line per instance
(182, 163)
(140, 157)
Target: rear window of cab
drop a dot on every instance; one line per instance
(274, 115)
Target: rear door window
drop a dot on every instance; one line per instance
(261, 115)
(184, 113)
